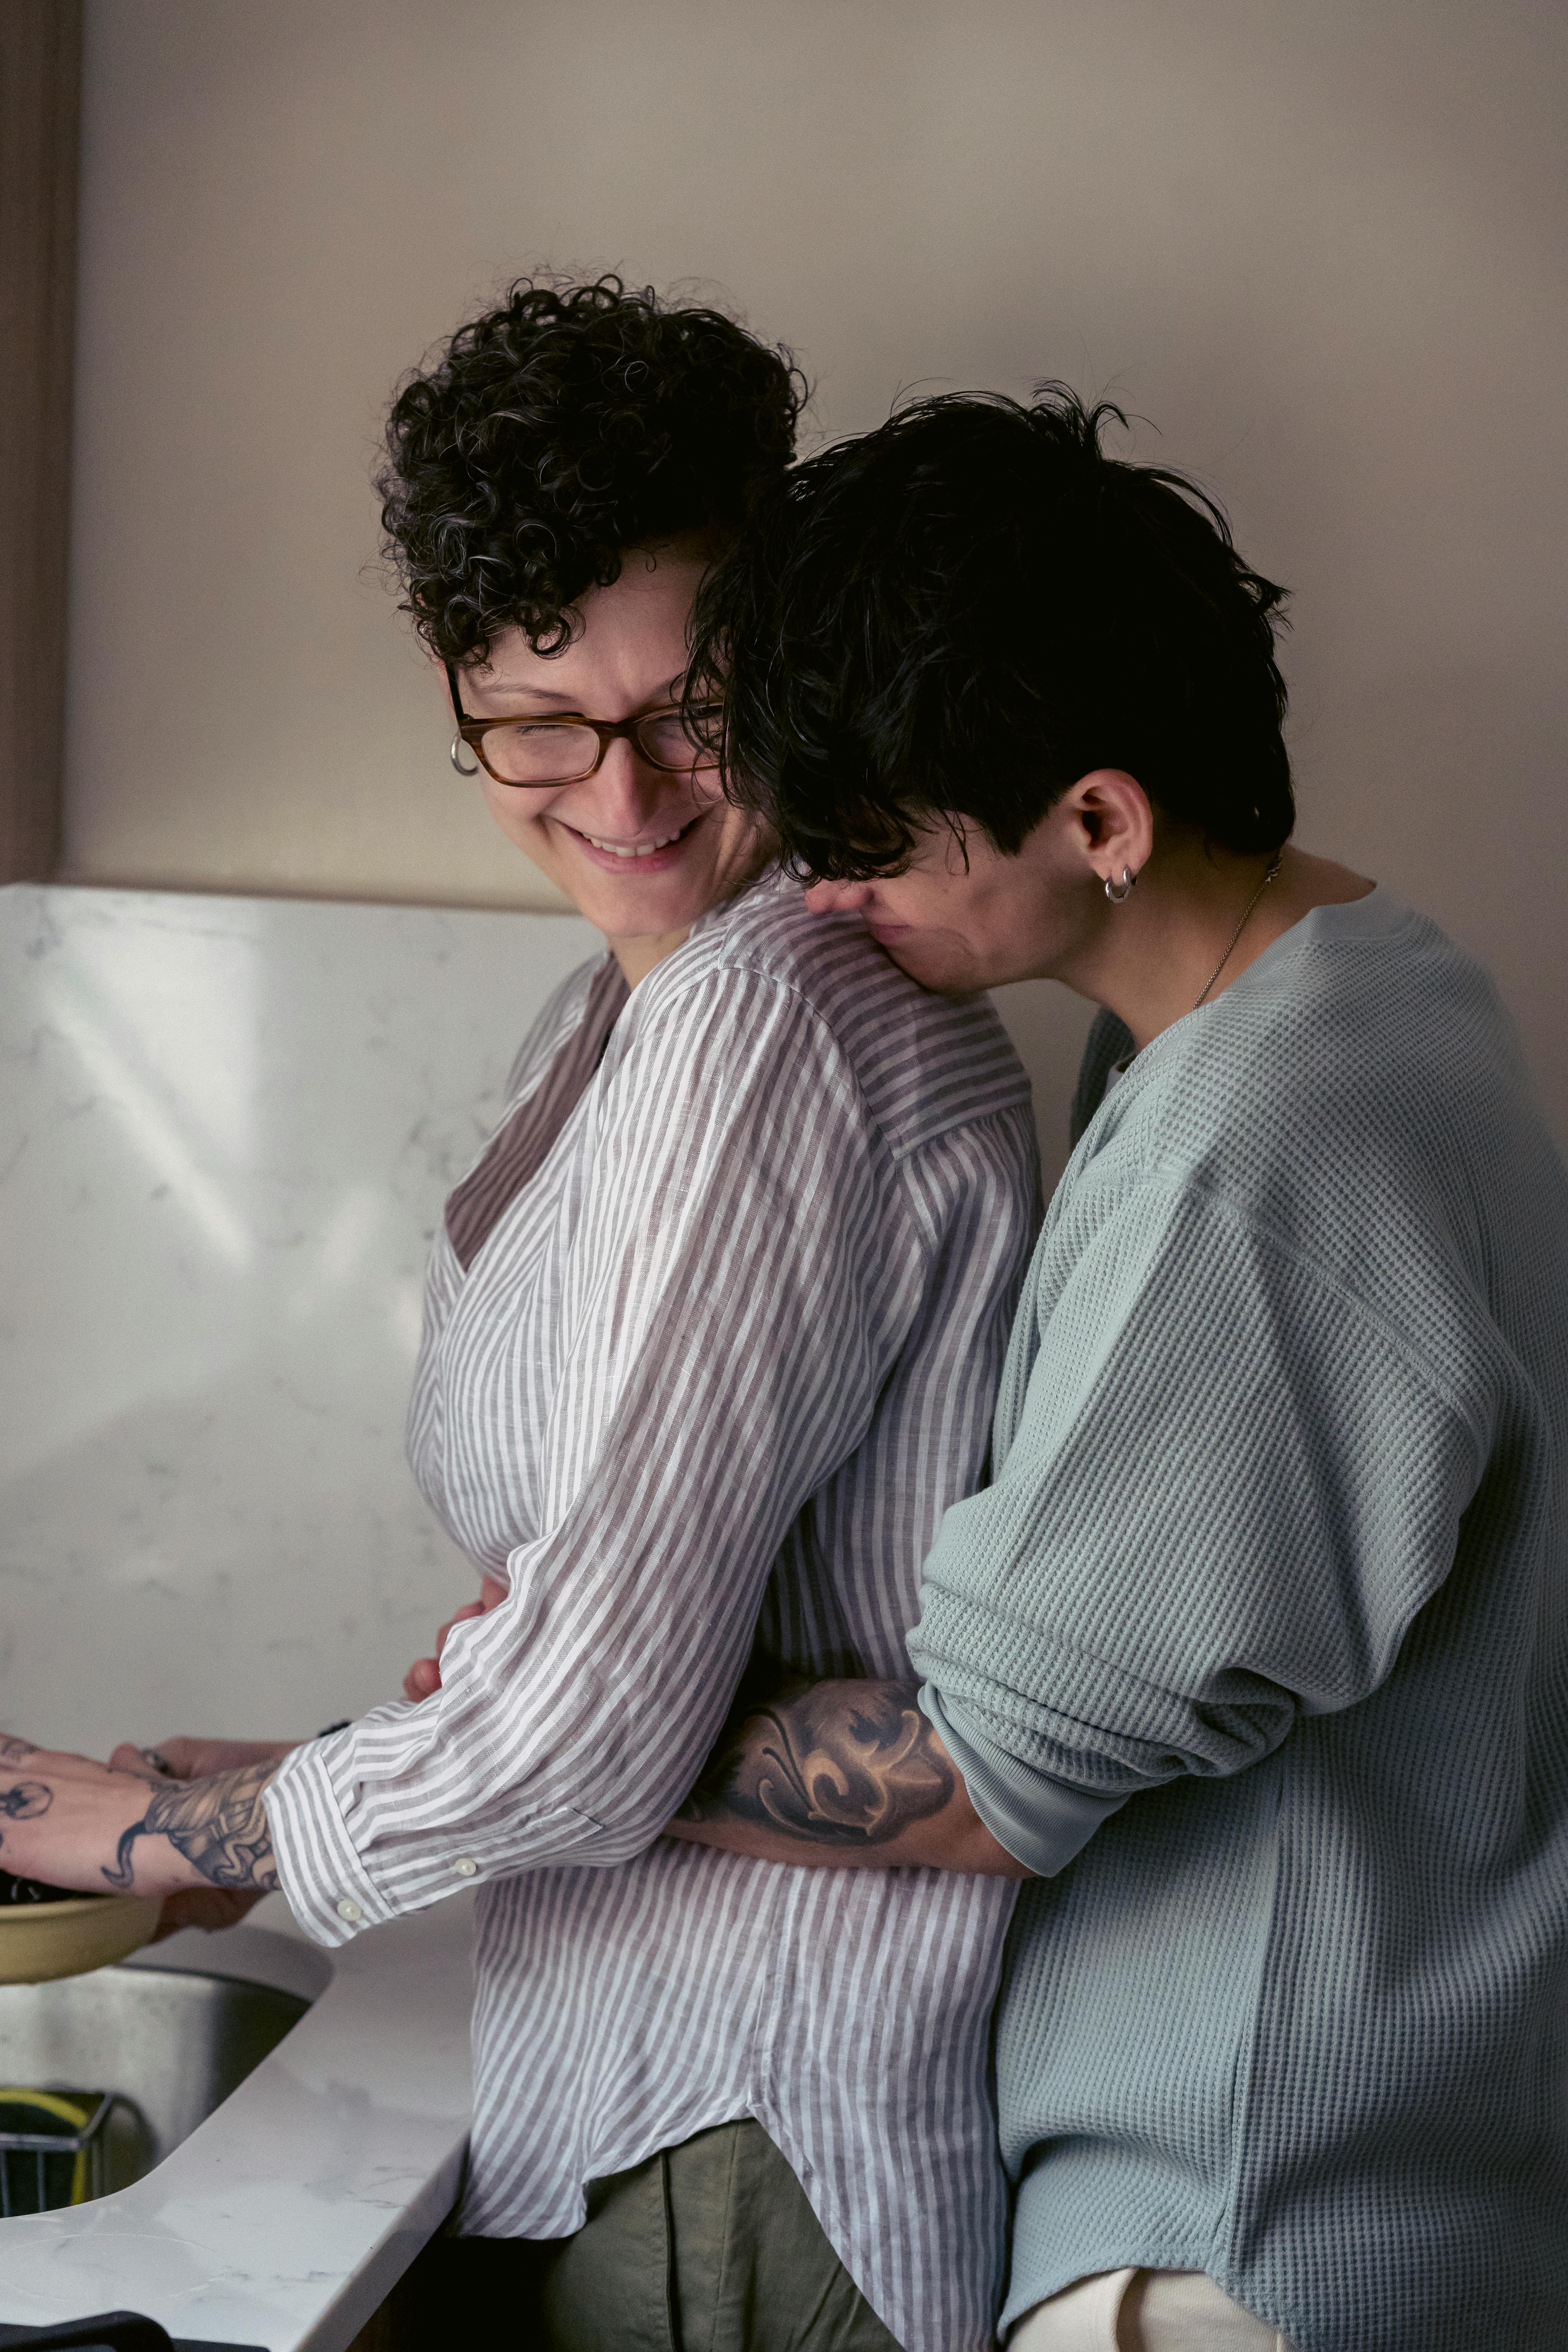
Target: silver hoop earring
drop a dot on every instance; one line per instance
(457, 747)
(1120, 892)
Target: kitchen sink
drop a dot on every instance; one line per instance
(170, 2045)
(289, 2128)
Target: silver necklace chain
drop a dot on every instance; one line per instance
(1246, 919)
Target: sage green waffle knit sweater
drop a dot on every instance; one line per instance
(1272, 1586)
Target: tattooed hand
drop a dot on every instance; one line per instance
(23, 1802)
(71, 1823)
(26, 1800)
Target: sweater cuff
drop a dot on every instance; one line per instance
(1042, 1821)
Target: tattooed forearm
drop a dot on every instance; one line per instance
(219, 1825)
(14, 1750)
(838, 1763)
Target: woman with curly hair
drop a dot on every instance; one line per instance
(713, 1336)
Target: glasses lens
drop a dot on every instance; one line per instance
(666, 743)
(535, 753)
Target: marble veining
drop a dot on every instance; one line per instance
(286, 2216)
(226, 1127)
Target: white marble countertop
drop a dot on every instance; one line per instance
(285, 2217)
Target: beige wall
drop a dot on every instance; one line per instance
(1322, 245)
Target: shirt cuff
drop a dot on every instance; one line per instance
(1042, 1821)
(321, 1875)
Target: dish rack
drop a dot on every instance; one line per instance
(59, 2161)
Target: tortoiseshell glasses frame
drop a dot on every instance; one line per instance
(542, 746)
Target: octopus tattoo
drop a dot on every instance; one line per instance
(218, 1824)
(841, 1764)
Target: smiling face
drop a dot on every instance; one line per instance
(640, 852)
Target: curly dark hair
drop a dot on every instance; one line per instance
(558, 430)
(964, 611)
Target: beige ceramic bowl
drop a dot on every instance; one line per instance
(66, 1939)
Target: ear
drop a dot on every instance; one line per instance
(442, 681)
(1110, 819)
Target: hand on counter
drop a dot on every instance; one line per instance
(425, 1675)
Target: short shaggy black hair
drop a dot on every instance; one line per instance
(562, 427)
(966, 611)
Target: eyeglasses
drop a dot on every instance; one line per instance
(563, 750)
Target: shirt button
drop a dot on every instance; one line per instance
(466, 1866)
(349, 1911)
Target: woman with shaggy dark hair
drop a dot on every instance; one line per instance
(1255, 1648)
(713, 1330)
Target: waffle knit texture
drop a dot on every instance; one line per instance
(1275, 1551)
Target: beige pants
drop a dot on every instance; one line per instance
(1143, 2311)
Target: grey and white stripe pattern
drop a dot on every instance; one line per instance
(710, 1377)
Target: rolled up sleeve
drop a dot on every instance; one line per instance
(1229, 1488)
(1040, 1820)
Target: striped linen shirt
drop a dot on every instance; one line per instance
(714, 1330)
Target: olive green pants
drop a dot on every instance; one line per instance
(709, 2247)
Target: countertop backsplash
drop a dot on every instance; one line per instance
(227, 1128)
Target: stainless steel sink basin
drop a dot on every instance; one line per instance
(172, 2045)
(284, 2217)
